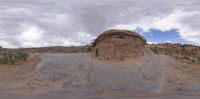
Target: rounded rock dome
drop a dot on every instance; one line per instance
(118, 44)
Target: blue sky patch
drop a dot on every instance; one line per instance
(157, 36)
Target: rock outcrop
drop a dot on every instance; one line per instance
(118, 45)
(185, 53)
(178, 49)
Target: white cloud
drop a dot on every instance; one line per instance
(6, 44)
(83, 37)
(174, 20)
(71, 22)
(56, 19)
(69, 43)
(30, 35)
(151, 43)
(15, 11)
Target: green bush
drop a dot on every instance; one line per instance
(88, 48)
(198, 58)
(155, 49)
(11, 57)
(186, 57)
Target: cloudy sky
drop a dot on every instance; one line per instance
(36, 23)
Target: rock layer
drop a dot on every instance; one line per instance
(180, 49)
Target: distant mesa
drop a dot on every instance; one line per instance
(118, 45)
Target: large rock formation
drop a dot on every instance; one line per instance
(118, 45)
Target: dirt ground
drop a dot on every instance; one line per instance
(78, 75)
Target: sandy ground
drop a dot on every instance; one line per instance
(78, 75)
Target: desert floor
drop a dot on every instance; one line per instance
(78, 75)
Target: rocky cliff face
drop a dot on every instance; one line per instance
(189, 53)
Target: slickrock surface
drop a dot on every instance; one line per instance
(78, 74)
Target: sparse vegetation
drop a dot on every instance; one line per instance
(12, 57)
(198, 59)
(184, 53)
(87, 48)
(186, 57)
(155, 49)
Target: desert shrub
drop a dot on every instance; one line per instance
(11, 57)
(155, 49)
(87, 48)
(186, 57)
(20, 56)
(198, 59)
